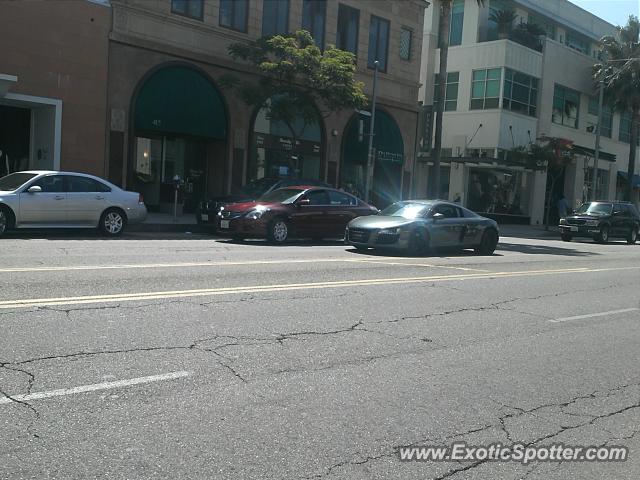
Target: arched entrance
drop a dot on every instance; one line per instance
(389, 158)
(273, 153)
(180, 129)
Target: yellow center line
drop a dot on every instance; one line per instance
(128, 297)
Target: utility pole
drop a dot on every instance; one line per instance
(370, 156)
(596, 157)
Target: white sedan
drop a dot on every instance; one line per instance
(49, 199)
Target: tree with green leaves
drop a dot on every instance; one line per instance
(549, 154)
(620, 72)
(297, 81)
(504, 21)
(444, 32)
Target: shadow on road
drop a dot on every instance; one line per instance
(292, 243)
(440, 252)
(544, 250)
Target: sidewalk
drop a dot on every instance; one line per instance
(165, 222)
(529, 231)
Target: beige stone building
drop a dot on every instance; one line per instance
(53, 84)
(168, 116)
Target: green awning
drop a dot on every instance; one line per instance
(389, 151)
(180, 101)
(591, 153)
(387, 141)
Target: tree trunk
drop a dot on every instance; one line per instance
(445, 24)
(633, 146)
(554, 179)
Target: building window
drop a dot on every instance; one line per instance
(495, 6)
(485, 89)
(188, 8)
(602, 188)
(625, 128)
(348, 27)
(546, 25)
(378, 42)
(566, 107)
(576, 42)
(313, 19)
(406, 36)
(275, 17)
(451, 96)
(607, 118)
(456, 24)
(233, 14)
(520, 93)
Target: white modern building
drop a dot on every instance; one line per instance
(506, 90)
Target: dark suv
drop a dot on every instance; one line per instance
(602, 220)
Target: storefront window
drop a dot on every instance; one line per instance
(495, 191)
(160, 159)
(273, 153)
(602, 188)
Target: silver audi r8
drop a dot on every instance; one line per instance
(418, 225)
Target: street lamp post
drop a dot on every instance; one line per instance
(370, 159)
(596, 157)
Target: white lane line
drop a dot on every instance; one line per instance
(206, 264)
(593, 315)
(429, 265)
(381, 260)
(94, 387)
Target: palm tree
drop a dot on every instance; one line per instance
(444, 30)
(504, 20)
(620, 73)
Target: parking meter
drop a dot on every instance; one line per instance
(176, 182)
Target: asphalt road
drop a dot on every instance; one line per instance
(189, 357)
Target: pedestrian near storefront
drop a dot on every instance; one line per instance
(563, 206)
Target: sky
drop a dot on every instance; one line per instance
(613, 11)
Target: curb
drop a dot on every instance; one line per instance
(169, 228)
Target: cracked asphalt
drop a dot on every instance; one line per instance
(324, 381)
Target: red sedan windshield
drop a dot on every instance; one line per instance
(282, 195)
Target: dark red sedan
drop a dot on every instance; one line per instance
(314, 212)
